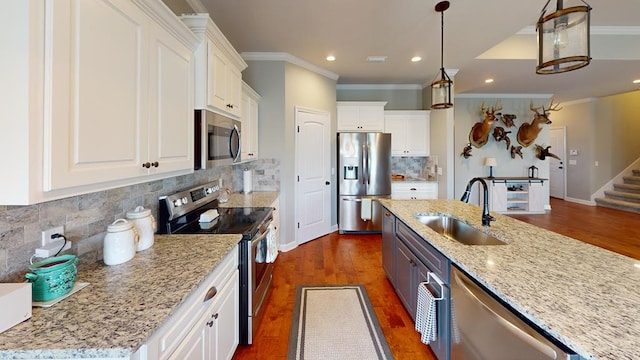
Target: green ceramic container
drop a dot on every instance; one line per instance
(53, 277)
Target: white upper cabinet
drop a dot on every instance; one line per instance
(250, 120)
(365, 116)
(218, 68)
(409, 132)
(116, 100)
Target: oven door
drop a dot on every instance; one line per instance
(259, 281)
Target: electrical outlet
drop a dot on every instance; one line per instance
(46, 235)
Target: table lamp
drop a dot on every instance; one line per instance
(490, 162)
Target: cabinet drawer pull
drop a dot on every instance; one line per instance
(413, 189)
(210, 294)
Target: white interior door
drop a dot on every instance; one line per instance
(313, 163)
(557, 167)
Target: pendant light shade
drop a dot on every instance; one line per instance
(563, 38)
(441, 86)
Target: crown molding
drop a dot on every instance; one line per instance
(503, 96)
(378, 87)
(286, 57)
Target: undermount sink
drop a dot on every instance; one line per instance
(457, 230)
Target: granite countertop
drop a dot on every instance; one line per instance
(584, 296)
(253, 199)
(124, 304)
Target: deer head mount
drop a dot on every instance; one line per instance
(479, 134)
(528, 132)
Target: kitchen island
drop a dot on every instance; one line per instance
(584, 296)
(124, 304)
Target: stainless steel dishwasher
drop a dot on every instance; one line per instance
(482, 328)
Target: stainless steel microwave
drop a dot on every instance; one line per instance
(217, 140)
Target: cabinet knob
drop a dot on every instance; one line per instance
(155, 164)
(387, 214)
(146, 165)
(210, 323)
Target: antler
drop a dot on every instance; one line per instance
(552, 107)
(535, 109)
(498, 106)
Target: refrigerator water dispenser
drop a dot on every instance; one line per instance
(350, 172)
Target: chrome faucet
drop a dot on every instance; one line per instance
(486, 217)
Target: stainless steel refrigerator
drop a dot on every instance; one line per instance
(364, 176)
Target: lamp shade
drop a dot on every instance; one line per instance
(490, 161)
(563, 39)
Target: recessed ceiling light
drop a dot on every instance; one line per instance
(416, 58)
(331, 58)
(636, 81)
(488, 81)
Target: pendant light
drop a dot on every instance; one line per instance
(563, 38)
(441, 88)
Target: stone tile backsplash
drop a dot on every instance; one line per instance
(416, 167)
(85, 217)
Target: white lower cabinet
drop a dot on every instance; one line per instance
(410, 190)
(215, 335)
(515, 196)
(276, 220)
(206, 326)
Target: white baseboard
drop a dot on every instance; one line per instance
(292, 245)
(580, 201)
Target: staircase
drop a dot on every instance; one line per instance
(625, 196)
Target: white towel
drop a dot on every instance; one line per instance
(261, 251)
(365, 209)
(272, 246)
(426, 315)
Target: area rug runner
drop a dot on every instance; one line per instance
(335, 322)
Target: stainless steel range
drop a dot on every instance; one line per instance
(180, 214)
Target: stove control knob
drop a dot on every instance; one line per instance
(177, 202)
(185, 200)
(208, 190)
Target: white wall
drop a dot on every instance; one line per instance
(283, 86)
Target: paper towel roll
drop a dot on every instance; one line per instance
(247, 181)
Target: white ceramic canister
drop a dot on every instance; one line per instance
(146, 225)
(120, 242)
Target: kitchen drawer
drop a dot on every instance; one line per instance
(164, 341)
(436, 262)
(406, 190)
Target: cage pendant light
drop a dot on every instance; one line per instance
(441, 86)
(563, 38)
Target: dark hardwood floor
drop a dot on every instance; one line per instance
(356, 259)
